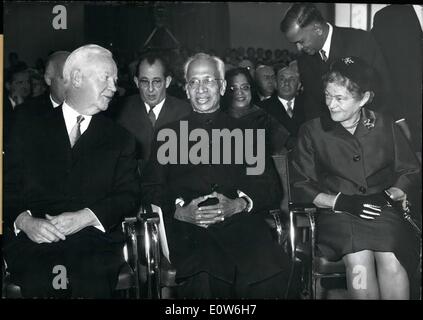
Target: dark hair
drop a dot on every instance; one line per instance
(229, 75)
(151, 57)
(302, 14)
(354, 74)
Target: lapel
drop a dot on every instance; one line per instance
(95, 137)
(336, 46)
(165, 113)
(55, 134)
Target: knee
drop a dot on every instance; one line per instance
(390, 267)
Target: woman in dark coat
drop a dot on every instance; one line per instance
(346, 161)
(238, 103)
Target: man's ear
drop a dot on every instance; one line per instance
(47, 80)
(317, 28)
(136, 82)
(76, 78)
(168, 81)
(223, 88)
(187, 91)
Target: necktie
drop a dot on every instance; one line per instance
(75, 133)
(152, 116)
(323, 55)
(289, 109)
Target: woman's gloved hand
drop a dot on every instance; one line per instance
(366, 207)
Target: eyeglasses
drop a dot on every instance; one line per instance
(194, 84)
(244, 87)
(144, 83)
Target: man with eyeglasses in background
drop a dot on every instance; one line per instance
(144, 113)
(214, 212)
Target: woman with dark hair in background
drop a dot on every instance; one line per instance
(358, 164)
(238, 103)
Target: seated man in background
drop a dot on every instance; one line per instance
(286, 105)
(214, 211)
(151, 108)
(265, 81)
(53, 77)
(70, 178)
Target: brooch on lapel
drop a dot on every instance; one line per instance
(369, 118)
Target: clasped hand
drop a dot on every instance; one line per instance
(205, 216)
(54, 228)
(366, 207)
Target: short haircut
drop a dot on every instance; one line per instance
(82, 55)
(151, 57)
(56, 60)
(261, 66)
(302, 14)
(339, 79)
(220, 65)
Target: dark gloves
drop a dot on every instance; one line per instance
(366, 207)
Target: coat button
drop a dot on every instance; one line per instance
(362, 189)
(356, 157)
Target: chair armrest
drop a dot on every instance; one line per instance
(142, 246)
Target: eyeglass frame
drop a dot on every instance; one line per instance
(212, 81)
(145, 83)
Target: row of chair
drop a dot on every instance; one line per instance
(147, 273)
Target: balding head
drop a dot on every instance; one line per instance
(90, 76)
(53, 75)
(265, 80)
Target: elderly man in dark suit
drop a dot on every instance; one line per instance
(398, 31)
(142, 114)
(322, 43)
(213, 210)
(70, 177)
(287, 105)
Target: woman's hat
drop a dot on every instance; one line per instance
(355, 69)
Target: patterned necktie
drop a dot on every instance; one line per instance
(75, 133)
(152, 116)
(289, 109)
(323, 55)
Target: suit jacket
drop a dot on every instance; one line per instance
(133, 116)
(398, 32)
(274, 107)
(330, 160)
(345, 42)
(8, 118)
(45, 175)
(38, 105)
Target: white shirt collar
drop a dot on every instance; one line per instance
(70, 115)
(285, 102)
(12, 102)
(54, 103)
(418, 9)
(156, 109)
(326, 45)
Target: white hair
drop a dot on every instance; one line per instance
(83, 55)
(220, 65)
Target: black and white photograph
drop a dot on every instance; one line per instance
(228, 153)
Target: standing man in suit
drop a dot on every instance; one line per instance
(144, 113)
(70, 177)
(53, 77)
(286, 105)
(398, 30)
(321, 44)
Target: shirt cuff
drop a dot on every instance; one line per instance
(400, 120)
(98, 225)
(334, 203)
(180, 202)
(249, 201)
(15, 228)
